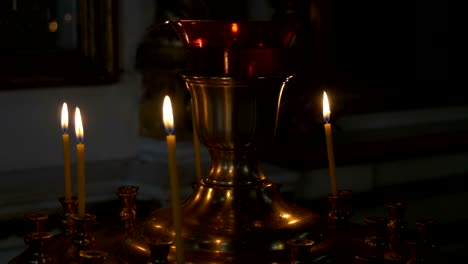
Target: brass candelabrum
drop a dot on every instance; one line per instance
(384, 241)
(236, 74)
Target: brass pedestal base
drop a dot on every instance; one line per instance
(247, 224)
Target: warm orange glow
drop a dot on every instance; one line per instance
(234, 28)
(326, 108)
(168, 117)
(53, 26)
(64, 119)
(199, 42)
(79, 126)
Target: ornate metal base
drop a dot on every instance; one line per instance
(235, 225)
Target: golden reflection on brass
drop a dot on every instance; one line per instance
(226, 62)
(236, 214)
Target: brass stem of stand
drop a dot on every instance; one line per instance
(236, 214)
(131, 247)
(127, 195)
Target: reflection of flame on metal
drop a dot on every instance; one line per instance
(198, 42)
(291, 221)
(141, 248)
(279, 99)
(226, 61)
(208, 196)
(278, 246)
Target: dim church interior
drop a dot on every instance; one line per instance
(117, 154)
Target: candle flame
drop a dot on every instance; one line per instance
(79, 126)
(326, 108)
(168, 117)
(64, 120)
(234, 28)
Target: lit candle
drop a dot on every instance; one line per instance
(173, 177)
(80, 163)
(196, 147)
(66, 154)
(328, 136)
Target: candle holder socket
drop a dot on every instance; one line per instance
(374, 241)
(396, 228)
(160, 251)
(69, 208)
(132, 247)
(346, 197)
(127, 195)
(336, 216)
(300, 250)
(340, 210)
(36, 221)
(427, 246)
(84, 235)
(37, 250)
(91, 256)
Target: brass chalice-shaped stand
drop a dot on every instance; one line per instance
(235, 75)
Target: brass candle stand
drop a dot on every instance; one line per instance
(236, 75)
(339, 242)
(235, 212)
(69, 208)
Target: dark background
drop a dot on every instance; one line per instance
(390, 55)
